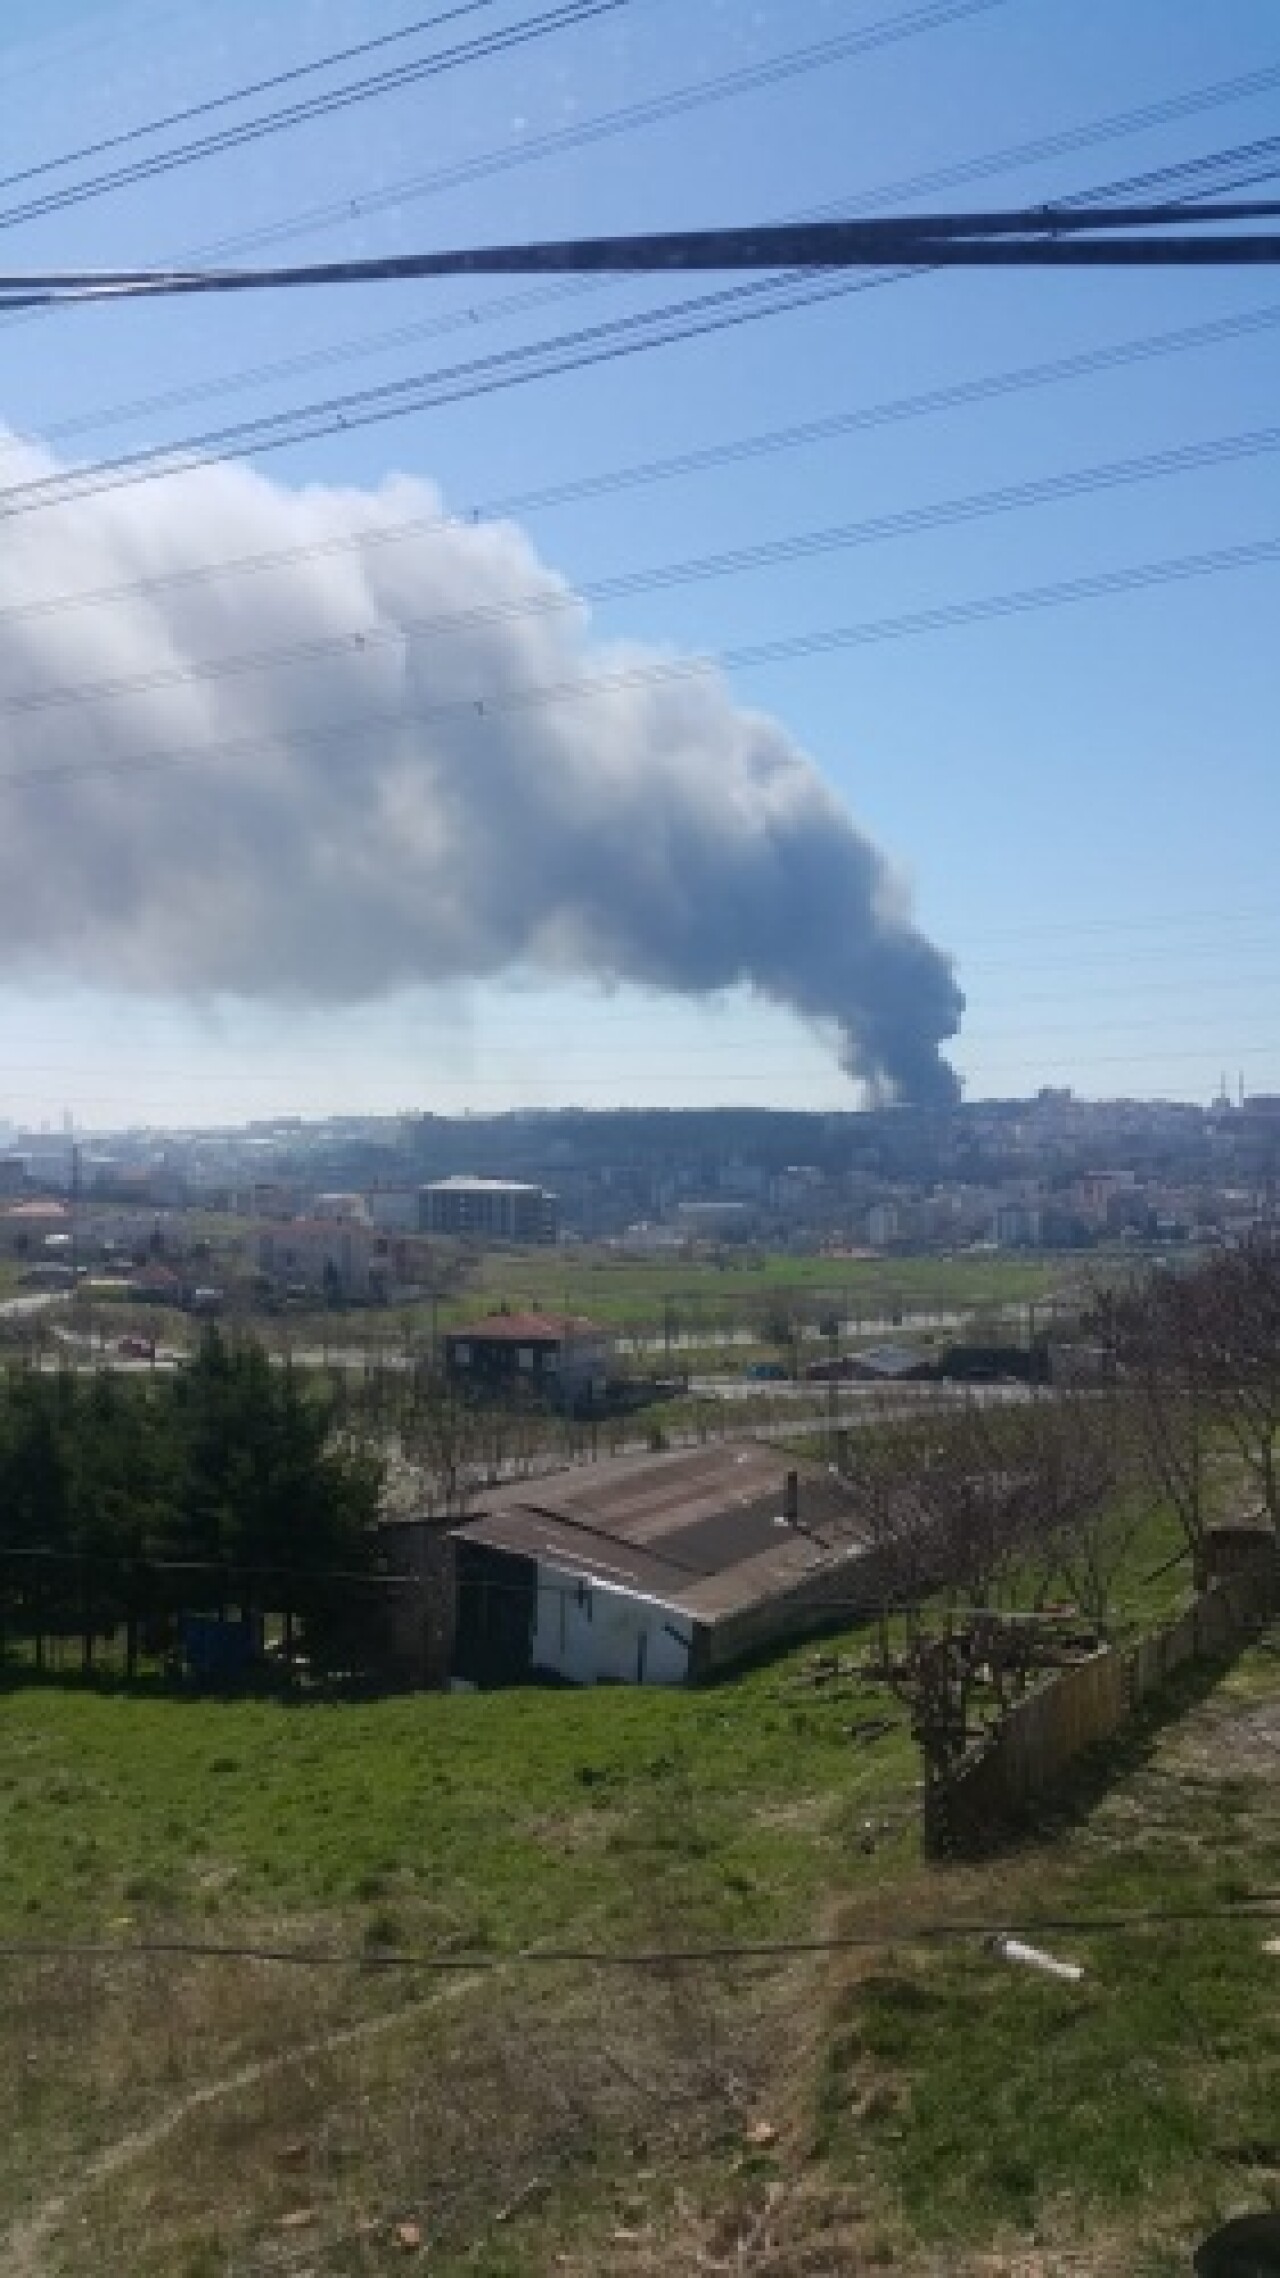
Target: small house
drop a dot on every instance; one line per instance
(554, 1356)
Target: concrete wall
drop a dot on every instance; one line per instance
(590, 1634)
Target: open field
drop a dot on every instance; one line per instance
(711, 1312)
(625, 1292)
(914, 2103)
(708, 1311)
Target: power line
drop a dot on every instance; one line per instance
(672, 322)
(1136, 1921)
(788, 649)
(573, 351)
(654, 110)
(603, 343)
(775, 69)
(510, 367)
(242, 94)
(767, 554)
(511, 304)
(1047, 237)
(640, 473)
(1015, 1050)
(567, 15)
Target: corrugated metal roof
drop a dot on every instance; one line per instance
(703, 1530)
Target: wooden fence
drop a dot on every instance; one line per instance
(1033, 1752)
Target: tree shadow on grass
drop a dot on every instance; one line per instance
(155, 1684)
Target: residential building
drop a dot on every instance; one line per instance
(26, 1228)
(714, 1219)
(393, 1209)
(495, 1210)
(884, 1225)
(323, 1254)
(1017, 1226)
(556, 1355)
(274, 1198)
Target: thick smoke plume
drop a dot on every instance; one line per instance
(391, 801)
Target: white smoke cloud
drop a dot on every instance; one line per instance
(391, 806)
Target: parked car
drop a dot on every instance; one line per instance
(136, 1348)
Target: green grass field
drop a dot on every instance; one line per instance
(491, 1819)
(620, 1291)
(714, 1311)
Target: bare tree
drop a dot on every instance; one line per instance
(880, 1464)
(979, 1496)
(1238, 1321)
(443, 1433)
(1078, 1445)
(1153, 1331)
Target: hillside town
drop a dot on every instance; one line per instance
(355, 1208)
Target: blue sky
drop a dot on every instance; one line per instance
(1083, 800)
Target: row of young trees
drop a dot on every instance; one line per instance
(982, 1500)
(1197, 1356)
(125, 1502)
(1181, 1408)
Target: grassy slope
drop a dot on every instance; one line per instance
(927, 2100)
(1137, 2108)
(487, 1822)
(497, 1818)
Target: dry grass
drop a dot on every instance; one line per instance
(480, 2125)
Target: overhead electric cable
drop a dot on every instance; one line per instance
(1046, 237)
(290, 77)
(348, 410)
(685, 319)
(639, 474)
(1207, 170)
(797, 546)
(788, 648)
(1136, 1921)
(629, 116)
(567, 15)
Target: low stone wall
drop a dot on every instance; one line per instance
(1031, 1755)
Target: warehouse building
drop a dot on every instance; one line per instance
(644, 1570)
